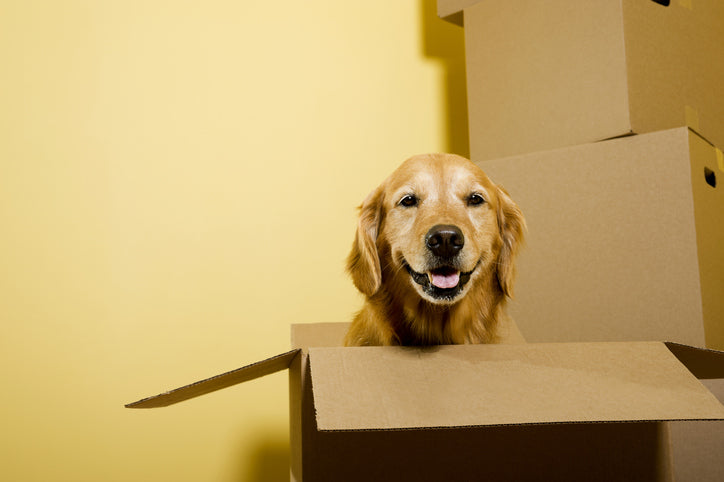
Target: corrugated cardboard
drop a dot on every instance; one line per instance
(240, 375)
(452, 10)
(625, 240)
(544, 75)
(381, 388)
(483, 412)
(698, 447)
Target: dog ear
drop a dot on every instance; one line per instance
(512, 229)
(363, 262)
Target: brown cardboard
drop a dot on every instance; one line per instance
(303, 435)
(624, 240)
(551, 74)
(697, 447)
(452, 10)
(380, 388)
(522, 431)
(240, 375)
(702, 363)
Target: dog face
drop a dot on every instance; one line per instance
(440, 226)
(433, 229)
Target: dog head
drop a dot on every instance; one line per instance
(434, 228)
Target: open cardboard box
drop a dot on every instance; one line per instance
(625, 240)
(557, 73)
(512, 411)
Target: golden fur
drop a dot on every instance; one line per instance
(391, 261)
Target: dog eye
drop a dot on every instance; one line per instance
(408, 201)
(475, 199)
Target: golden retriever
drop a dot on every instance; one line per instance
(434, 255)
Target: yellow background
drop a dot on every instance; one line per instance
(178, 183)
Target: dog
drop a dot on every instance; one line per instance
(434, 255)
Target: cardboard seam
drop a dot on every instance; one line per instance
(499, 425)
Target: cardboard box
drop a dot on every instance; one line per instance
(625, 240)
(551, 74)
(574, 411)
(697, 447)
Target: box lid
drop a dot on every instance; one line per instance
(383, 388)
(703, 363)
(244, 374)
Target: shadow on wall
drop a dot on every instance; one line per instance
(445, 43)
(269, 461)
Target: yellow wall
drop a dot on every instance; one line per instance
(178, 182)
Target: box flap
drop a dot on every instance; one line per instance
(382, 388)
(452, 10)
(240, 375)
(305, 335)
(702, 362)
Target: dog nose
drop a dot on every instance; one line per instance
(445, 240)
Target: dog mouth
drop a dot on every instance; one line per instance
(443, 283)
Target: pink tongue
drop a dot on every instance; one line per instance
(445, 280)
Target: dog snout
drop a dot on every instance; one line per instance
(445, 240)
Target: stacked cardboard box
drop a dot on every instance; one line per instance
(625, 240)
(602, 119)
(543, 75)
(626, 235)
(625, 247)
